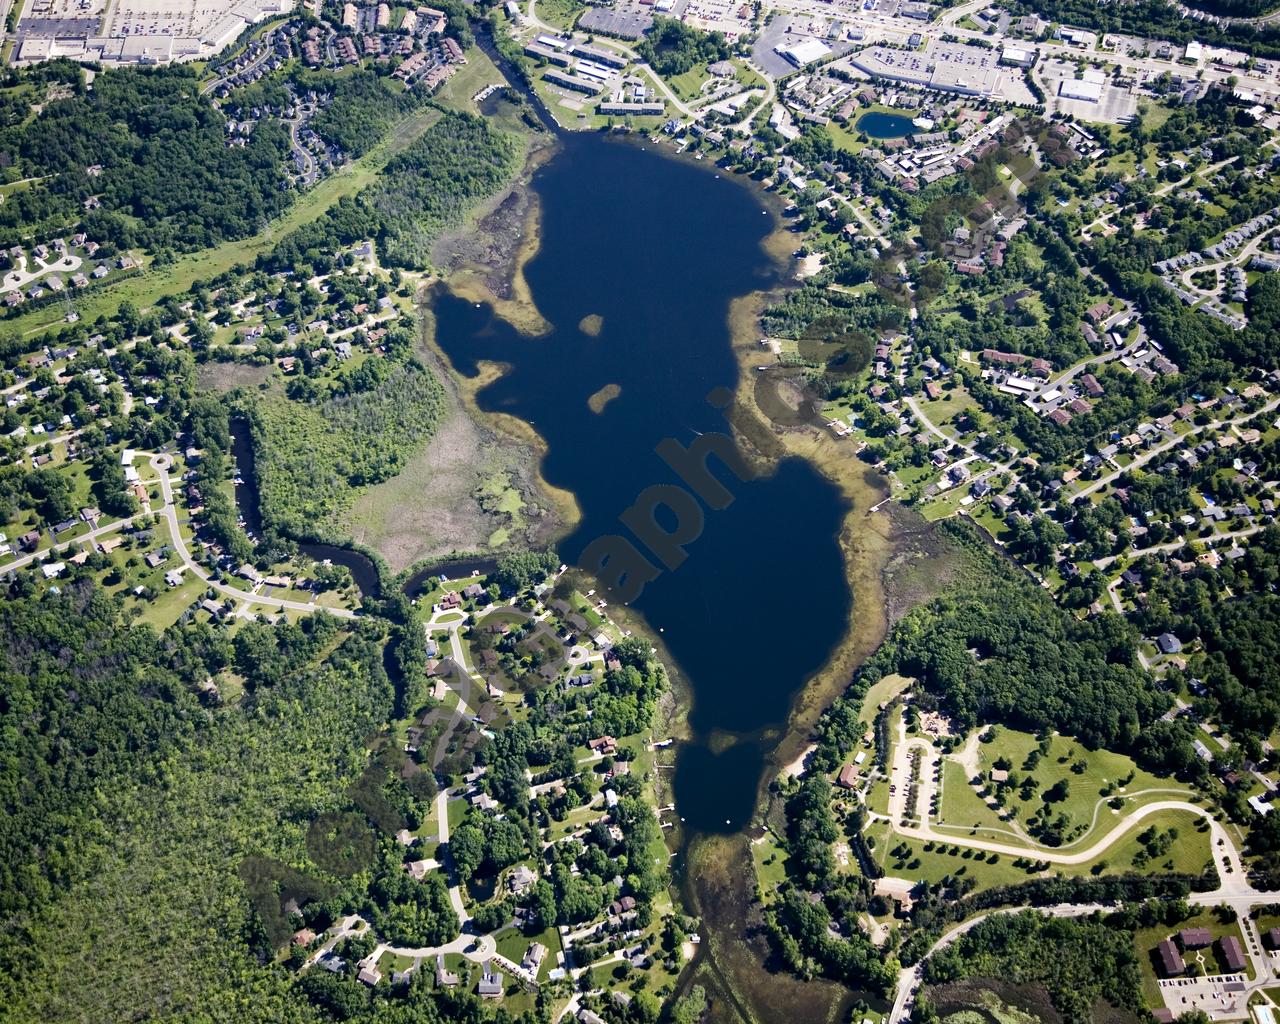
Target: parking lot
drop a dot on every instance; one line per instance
(1115, 106)
(1222, 997)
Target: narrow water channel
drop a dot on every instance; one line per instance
(363, 572)
(640, 257)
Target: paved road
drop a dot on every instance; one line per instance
(309, 171)
(101, 531)
(266, 42)
(1165, 446)
(621, 48)
(160, 464)
(1174, 545)
(1246, 250)
(900, 773)
(1224, 19)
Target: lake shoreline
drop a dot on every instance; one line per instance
(730, 957)
(728, 960)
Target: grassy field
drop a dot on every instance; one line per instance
(147, 288)
(942, 411)
(933, 861)
(688, 86)
(561, 13)
(1085, 803)
(770, 862)
(478, 72)
(961, 807)
(881, 693)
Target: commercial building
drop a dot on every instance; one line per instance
(804, 52)
(947, 67)
(1018, 56)
(1080, 89)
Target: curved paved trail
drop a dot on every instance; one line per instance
(919, 825)
(1099, 846)
(1233, 890)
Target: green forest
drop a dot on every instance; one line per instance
(363, 106)
(430, 187)
(671, 47)
(314, 452)
(1079, 962)
(998, 649)
(168, 180)
(130, 808)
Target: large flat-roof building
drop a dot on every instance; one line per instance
(948, 67)
(804, 52)
(140, 32)
(1080, 89)
(1018, 56)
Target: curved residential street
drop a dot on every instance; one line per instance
(1174, 442)
(160, 463)
(1234, 889)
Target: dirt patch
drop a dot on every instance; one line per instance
(603, 397)
(216, 376)
(470, 490)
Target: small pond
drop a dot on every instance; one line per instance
(880, 125)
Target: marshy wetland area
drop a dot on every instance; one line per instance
(783, 588)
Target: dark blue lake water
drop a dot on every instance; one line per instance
(658, 248)
(880, 125)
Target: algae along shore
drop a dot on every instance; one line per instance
(611, 369)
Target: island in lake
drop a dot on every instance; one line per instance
(632, 514)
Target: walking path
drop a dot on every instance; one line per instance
(1233, 890)
(920, 826)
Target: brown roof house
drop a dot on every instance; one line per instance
(1171, 964)
(1232, 954)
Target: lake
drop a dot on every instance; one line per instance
(656, 248)
(879, 125)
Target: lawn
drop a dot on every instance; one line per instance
(941, 411)
(513, 943)
(881, 693)
(171, 602)
(771, 863)
(456, 811)
(688, 85)
(470, 79)
(933, 861)
(962, 808)
(1145, 943)
(1099, 770)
